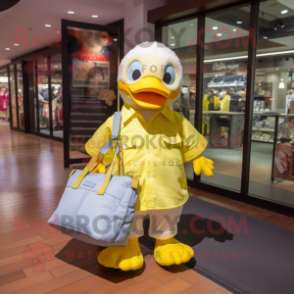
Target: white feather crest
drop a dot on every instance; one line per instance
(154, 57)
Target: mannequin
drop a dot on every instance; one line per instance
(4, 102)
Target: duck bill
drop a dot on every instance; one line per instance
(149, 92)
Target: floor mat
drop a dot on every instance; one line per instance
(242, 253)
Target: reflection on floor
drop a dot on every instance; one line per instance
(58, 133)
(228, 168)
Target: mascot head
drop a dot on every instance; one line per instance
(150, 76)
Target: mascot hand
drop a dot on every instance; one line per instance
(100, 168)
(205, 165)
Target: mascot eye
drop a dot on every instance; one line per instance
(169, 75)
(134, 71)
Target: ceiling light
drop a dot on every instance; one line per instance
(234, 30)
(276, 53)
(70, 12)
(265, 37)
(172, 44)
(284, 11)
(245, 56)
(172, 37)
(239, 22)
(94, 15)
(215, 28)
(16, 44)
(48, 25)
(223, 59)
(218, 35)
(115, 40)
(7, 48)
(281, 84)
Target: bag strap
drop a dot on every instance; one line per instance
(114, 139)
(103, 150)
(95, 160)
(116, 125)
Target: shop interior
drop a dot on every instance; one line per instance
(45, 96)
(224, 96)
(4, 94)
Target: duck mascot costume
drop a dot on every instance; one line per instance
(157, 141)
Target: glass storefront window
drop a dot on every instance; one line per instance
(32, 96)
(224, 85)
(272, 142)
(57, 106)
(12, 95)
(20, 96)
(4, 100)
(43, 95)
(181, 38)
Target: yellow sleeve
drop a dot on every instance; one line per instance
(216, 101)
(100, 137)
(205, 104)
(193, 142)
(226, 103)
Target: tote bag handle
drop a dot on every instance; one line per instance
(103, 150)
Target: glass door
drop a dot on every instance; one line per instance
(224, 93)
(13, 98)
(57, 98)
(43, 95)
(19, 77)
(272, 139)
(181, 38)
(30, 68)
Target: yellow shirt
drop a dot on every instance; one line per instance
(225, 103)
(156, 151)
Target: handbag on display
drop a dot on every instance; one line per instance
(98, 208)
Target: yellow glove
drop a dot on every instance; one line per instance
(205, 165)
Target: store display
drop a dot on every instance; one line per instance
(284, 149)
(223, 82)
(263, 128)
(3, 98)
(92, 89)
(90, 67)
(289, 102)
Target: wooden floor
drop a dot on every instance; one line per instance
(32, 179)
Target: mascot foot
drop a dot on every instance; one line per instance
(128, 258)
(171, 251)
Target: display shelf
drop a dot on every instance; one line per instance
(263, 130)
(263, 141)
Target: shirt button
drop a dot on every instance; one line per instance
(149, 177)
(148, 130)
(148, 152)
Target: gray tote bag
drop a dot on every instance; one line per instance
(98, 208)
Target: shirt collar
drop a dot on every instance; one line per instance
(128, 112)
